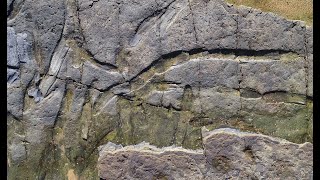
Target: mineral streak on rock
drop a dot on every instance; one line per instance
(227, 153)
(82, 73)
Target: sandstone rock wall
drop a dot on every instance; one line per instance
(83, 73)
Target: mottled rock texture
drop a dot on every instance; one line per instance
(82, 73)
(227, 154)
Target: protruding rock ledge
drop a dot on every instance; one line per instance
(227, 153)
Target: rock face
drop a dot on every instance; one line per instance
(227, 154)
(83, 73)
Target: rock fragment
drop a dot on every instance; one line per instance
(227, 153)
(99, 78)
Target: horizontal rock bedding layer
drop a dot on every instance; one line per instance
(227, 154)
(83, 73)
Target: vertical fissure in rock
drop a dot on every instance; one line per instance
(240, 79)
(199, 78)
(236, 18)
(193, 23)
(175, 130)
(306, 60)
(60, 111)
(81, 41)
(118, 49)
(185, 134)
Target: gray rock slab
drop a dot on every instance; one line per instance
(219, 72)
(155, 98)
(309, 40)
(270, 75)
(99, 78)
(227, 153)
(17, 149)
(246, 155)
(24, 48)
(205, 73)
(266, 31)
(186, 73)
(215, 24)
(176, 28)
(43, 21)
(45, 112)
(12, 55)
(100, 27)
(15, 99)
(220, 103)
(172, 98)
(110, 107)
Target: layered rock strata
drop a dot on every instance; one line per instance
(227, 154)
(83, 73)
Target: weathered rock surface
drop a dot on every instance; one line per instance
(83, 73)
(227, 154)
(269, 76)
(170, 98)
(18, 78)
(99, 78)
(43, 21)
(158, 26)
